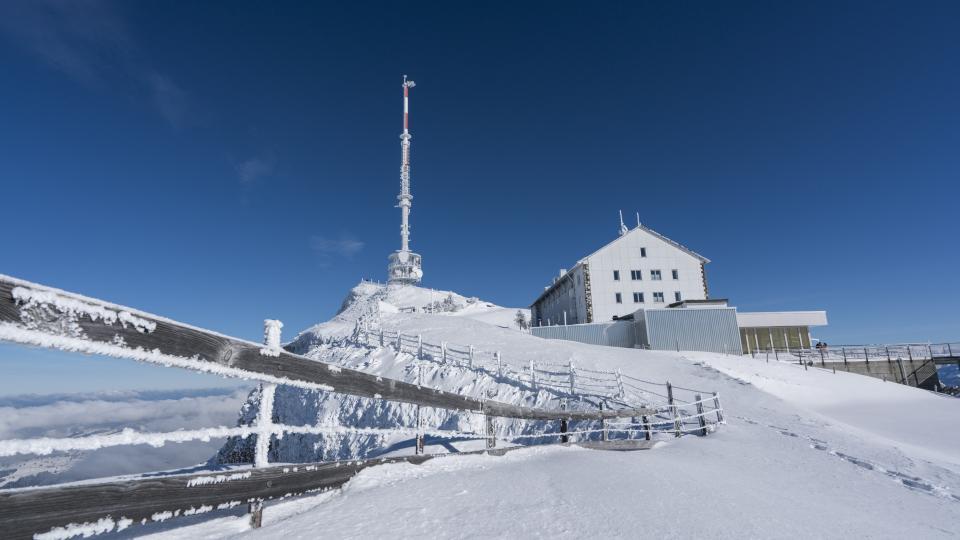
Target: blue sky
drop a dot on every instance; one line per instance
(223, 163)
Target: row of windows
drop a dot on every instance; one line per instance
(638, 297)
(637, 275)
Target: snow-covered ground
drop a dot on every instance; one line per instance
(804, 453)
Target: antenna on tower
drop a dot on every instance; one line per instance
(405, 265)
(623, 228)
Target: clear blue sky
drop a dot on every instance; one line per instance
(225, 162)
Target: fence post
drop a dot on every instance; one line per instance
(673, 408)
(620, 392)
(261, 457)
(533, 375)
(716, 406)
(703, 421)
(573, 377)
(564, 438)
(646, 426)
(399, 343)
(418, 445)
(844, 351)
(471, 357)
(419, 347)
(491, 435)
(603, 425)
(776, 355)
(443, 351)
(866, 355)
(499, 364)
(903, 374)
(381, 337)
(822, 364)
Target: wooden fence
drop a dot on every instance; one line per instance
(32, 314)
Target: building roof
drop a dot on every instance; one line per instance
(553, 285)
(642, 227)
(673, 243)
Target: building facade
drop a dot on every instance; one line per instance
(640, 269)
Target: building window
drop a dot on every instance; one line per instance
(636, 275)
(658, 297)
(616, 275)
(643, 252)
(638, 298)
(619, 298)
(676, 296)
(676, 274)
(655, 275)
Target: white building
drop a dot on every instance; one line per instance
(641, 268)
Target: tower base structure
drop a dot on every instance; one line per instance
(404, 268)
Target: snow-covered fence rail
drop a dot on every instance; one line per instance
(563, 379)
(32, 314)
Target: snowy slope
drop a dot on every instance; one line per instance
(804, 453)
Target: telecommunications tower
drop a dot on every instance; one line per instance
(404, 265)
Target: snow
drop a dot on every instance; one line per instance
(804, 453)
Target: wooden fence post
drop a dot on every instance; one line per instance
(716, 407)
(646, 426)
(603, 425)
(573, 377)
(261, 457)
(419, 347)
(620, 392)
(491, 434)
(700, 417)
(399, 342)
(533, 375)
(471, 357)
(381, 337)
(499, 364)
(564, 438)
(676, 413)
(443, 352)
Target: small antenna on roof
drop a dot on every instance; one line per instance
(623, 228)
(638, 220)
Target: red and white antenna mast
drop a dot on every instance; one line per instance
(404, 264)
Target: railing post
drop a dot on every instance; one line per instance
(419, 347)
(399, 343)
(261, 456)
(564, 438)
(491, 434)
(533, 375)
(646, 426)
(603, 425)
(471, 357)
(716, 406)
(844, 351)
(700, 417)
(676, 413)
(822, 363)
(499, 364)
(573, 377)
(620, 392)
(443, 351)
(903, 374)
(866, 355)
(381, 337)
(776, 355)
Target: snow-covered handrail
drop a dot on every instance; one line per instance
(33, 314)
